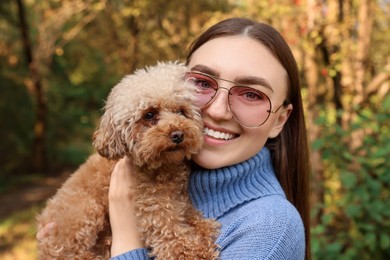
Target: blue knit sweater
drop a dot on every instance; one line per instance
(257, 220)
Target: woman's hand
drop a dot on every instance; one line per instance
(125, 236)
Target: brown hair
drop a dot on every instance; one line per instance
(290, 148)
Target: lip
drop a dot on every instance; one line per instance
(215, 141)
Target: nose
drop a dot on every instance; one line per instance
(218, 108)
(176, 136)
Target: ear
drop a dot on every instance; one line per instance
(108, 139)
(281, 120)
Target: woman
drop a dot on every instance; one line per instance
(255, 149)
(252, 173)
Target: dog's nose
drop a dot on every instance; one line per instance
(177, 136)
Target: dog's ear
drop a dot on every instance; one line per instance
(108, 139)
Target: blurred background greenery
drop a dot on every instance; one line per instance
(59, 59)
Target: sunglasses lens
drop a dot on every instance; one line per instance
(206, 88)
(250, 106)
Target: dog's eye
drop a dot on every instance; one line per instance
(182, 112)
(150, 115)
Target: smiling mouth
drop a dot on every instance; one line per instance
(217, 134)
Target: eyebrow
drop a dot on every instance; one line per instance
(206, 70)
(245, 80)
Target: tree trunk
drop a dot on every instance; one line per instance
(38, 157)
(127, 46)
(311, 74)
(365, 24)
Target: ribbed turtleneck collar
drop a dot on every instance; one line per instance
(216, 191)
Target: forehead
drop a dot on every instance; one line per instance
(234, 57)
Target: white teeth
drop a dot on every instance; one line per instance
(217, 134)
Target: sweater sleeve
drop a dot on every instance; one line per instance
(137, 254)
(268, 228)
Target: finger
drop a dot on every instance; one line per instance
(40, 235)
(45, 230)
(119, 182)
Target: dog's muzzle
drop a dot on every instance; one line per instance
(176, 136)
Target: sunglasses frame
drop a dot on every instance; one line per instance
(235, 84)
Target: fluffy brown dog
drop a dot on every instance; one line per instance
(149, 117)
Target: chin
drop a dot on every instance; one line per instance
(212, 161)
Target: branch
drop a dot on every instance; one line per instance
(374, 86)
(71, 34)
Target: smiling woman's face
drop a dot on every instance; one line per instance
(235, 58)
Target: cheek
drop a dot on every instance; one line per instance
(252, 141)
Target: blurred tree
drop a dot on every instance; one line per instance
(38, 160)
(344, 80)
(339, 68)
(50, 36)
(16, 120)
(84, 44)
(63, 57)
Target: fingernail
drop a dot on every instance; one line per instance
(50, 225)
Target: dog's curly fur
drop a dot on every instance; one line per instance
(149, 117)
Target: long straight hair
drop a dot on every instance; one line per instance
(290, 152)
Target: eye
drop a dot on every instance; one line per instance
(204, 83)
(181, 112)
(249, 94)
(150, 115)
(253, 96)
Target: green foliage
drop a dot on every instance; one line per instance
(88, 57)
(81, 55)
(78, 88)
(355, 222)
(16, 113)
(17, 234)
